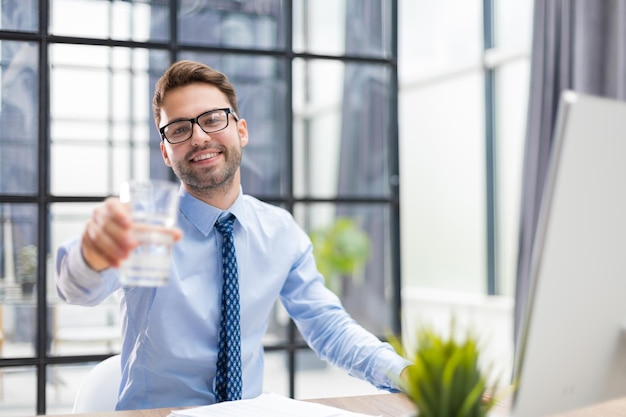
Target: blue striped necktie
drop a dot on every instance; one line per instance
(228, 374)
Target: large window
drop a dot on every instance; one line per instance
(463, 88)
(316, 82)
(463, 83)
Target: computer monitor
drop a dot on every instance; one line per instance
(572, 350)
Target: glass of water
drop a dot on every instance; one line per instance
(154, 208)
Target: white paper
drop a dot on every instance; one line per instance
(266, 405)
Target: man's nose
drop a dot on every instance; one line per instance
(197, 134)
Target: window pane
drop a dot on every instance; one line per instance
(319, 379)
(19, 119)
(365, 292)
(314, 378)
(80, 330)
(513, 21)
(438, 36)
(20, 391)
(342, 129)
(276, 377)
(442, 145)
(262, 95)
(512, 82)
(102, 130)
(443, 192)
(21, 15)
(232, 23)
(338, 27)
(19, 322)
(18, 311)
(146, 20)
(63, 386)
(67, 220)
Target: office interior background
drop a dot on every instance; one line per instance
(406, 117)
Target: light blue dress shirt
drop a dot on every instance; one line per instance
(169, 333)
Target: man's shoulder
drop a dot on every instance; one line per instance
(266, 211)
(264, 206)
(274, 223)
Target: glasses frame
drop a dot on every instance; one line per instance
(195, 120)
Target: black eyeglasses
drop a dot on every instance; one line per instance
(210, 122)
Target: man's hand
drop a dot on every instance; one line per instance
(107, 239)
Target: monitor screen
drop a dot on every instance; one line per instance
(572, 350)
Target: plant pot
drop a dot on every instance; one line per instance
(28, 288)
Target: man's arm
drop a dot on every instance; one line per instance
(333, 334)
(77, 282)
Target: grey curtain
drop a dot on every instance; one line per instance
(578, 45)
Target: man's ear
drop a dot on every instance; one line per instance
(242, 129)
(164, 154)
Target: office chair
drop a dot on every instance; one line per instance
(99, 390)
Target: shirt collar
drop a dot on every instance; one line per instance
(203, 216)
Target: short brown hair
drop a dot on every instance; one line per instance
(182, 73)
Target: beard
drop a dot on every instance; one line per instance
(212, 179)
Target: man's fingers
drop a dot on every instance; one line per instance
(107, 240)
(116, 211)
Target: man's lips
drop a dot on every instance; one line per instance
(204, 156)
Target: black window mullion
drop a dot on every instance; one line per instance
(394, 178)
(289, 57)
(43, 193)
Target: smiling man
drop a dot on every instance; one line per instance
(174, 336)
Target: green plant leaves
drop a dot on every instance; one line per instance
(445, 379)
(340, 249)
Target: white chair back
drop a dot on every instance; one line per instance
(100, 387)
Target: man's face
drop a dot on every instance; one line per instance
(207, 162)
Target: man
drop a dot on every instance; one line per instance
(171, 333)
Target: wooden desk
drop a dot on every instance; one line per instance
(386, 405)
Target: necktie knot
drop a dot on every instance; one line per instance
(225, 226)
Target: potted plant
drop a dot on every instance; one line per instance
(27, 268)
(446, 378)
(341, 251)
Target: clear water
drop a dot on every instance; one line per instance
(149, 264)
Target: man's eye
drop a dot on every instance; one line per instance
(212, 121)
(180, 130)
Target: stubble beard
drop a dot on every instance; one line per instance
(212, 180)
